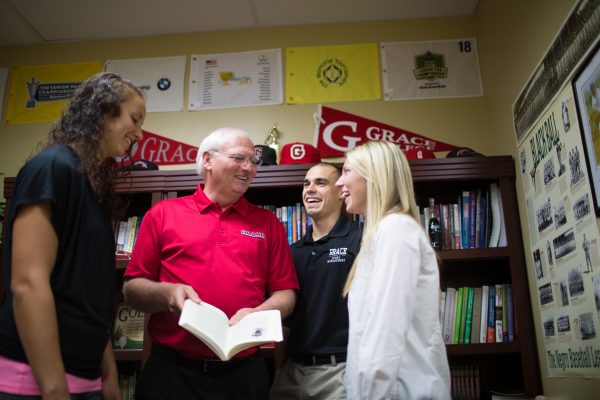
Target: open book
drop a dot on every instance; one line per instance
(211, 325)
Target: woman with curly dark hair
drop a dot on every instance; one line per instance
(59, 251)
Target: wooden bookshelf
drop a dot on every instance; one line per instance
(439, 178)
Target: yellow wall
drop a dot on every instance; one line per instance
(513, 36)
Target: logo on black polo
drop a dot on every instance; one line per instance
(337, 255)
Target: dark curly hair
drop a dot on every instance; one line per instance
(96, 101)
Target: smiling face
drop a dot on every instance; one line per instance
(119, 133)
(320, 196)
(354, 190)
(226, 180)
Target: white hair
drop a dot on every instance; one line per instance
(215, 141)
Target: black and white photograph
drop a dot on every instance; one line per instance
(549, 253)
(586, 326)
(544, 216)
(562, 168)
(562, 323)
(537, 261)
(575, 277)
(575, 167)
(587, 95)
(581, 207)
(596, 286)
(586, 245)
(564, 112)
(560, 215)
(549, 327)
(546, 296)
(564, 294)
(549, 171)
(564, 244)
(523, 160)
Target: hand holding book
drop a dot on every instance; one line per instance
(211, 325)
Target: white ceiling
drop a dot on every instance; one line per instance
(45, 21)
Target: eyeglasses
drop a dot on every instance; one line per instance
(241, 159)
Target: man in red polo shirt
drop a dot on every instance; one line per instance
(212, 246)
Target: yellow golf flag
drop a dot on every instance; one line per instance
(332, 73)
(39, 93)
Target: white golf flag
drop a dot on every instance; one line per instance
(161, 79)
(251, 78)
(420, 70)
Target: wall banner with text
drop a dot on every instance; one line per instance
(422, 70)
(39, 93)
(246, 79)
(162, 150)
(337, 132)
(564, 239)
(161, 79)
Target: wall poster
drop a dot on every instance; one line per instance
(564, 239)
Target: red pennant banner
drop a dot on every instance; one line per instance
(163, 151)
(337, 132)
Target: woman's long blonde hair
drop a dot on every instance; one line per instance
(389, 189)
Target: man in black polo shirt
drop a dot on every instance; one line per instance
(319, 325)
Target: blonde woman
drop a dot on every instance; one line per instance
(395, 348)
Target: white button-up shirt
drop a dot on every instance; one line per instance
(395, 348)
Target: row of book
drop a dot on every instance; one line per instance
(478, 314)
(127, 384)
(126, 233)
(294, 219)
(465, 382)
(476, 220)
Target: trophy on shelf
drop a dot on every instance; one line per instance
(271, 139)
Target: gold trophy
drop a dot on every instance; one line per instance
(225, 77)
(271, 140)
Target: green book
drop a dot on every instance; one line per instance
(457, 313)
(469, 318)
(463, 316)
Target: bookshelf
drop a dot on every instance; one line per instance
(509, 366)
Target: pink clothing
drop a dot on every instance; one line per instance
(231, 258)
(17, 378)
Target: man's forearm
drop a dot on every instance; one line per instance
(282, 300)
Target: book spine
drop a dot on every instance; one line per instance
(290, 224)
(491, 327)
(463, 315)
(465, 220)
(457, 315)
(476, 321)
(477, 218)
(499, 313)
(457, 227)
(445, 226)
(484, 314)
(449, 314)
(442, 306)
(510, 313)
(469, 317)
(472, 218)
(483, 219)
(504, 316)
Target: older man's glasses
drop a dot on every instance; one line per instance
(242, 159)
